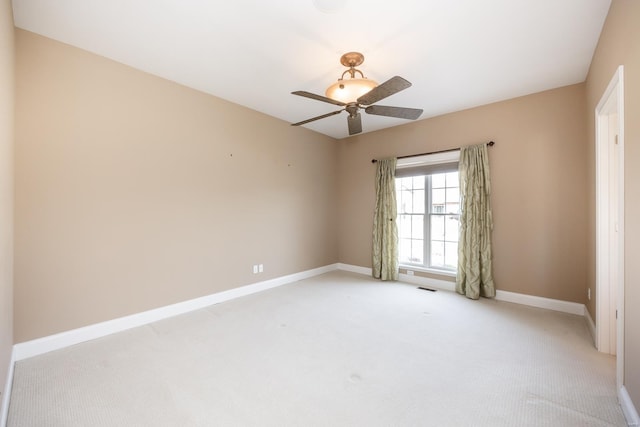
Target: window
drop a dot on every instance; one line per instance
(428, 215)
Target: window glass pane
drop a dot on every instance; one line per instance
(406, 183)
(404, 226)
(406, 204)
(418, 201)
(451, 254)
(418, 182)
(404, 194)
(452, 179)
(437, 196)
(404, 250)
(437, 253)
(417, 251)
(417, 226)
(451, 224)
(437, 227)
(453, 208)
(453, 194)
(438, 180)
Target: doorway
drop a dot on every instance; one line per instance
(609, 115)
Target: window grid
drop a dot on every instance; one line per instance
(432, 198)
(444, 210)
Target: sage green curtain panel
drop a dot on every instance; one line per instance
(385, 230)
(475, 277)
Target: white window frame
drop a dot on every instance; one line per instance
(428, 159)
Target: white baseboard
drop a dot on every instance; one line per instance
(629, 410)
(4, 413)
(541, 302)
(64, 339)
(530, 300)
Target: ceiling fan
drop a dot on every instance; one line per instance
(355, 94)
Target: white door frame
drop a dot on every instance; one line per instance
(612, 102)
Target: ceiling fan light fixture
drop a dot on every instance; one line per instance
(349, 90)
(355, 94)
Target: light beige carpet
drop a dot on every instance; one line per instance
(336, 350)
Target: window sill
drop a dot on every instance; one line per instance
(447, 273)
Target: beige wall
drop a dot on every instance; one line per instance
(620, 45)
(133, 192)
(6, 188)
(539, 191)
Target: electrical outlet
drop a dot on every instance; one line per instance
(255, 269)
(260, 268)
(589, 294)
(409, 272)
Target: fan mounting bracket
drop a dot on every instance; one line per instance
(352, 59)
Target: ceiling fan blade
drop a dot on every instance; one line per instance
(318, 97)
(388, 88)
(400, 112)
(313, 119)
(355, 124)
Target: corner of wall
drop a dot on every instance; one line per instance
(6, 395)
(629, 410)
(7, 138)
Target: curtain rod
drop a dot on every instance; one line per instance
(489, 144)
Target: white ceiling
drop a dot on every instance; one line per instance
(457, 53)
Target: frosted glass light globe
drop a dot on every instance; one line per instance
(349, 90)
